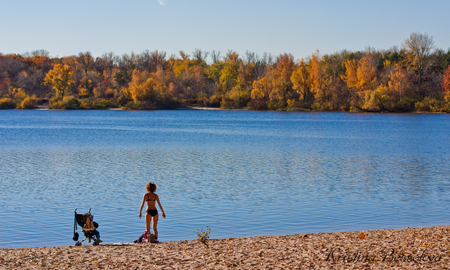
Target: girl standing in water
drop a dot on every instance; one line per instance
(151, 213)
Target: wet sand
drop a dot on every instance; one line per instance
(418, 248)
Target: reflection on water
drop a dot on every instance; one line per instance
(242, 173)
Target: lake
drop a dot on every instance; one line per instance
(243, 173)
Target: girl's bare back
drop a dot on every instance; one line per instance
(151, 199)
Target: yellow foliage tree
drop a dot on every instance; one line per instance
(367, 74)
(361, 77)
(280, 79)
(60, 78)
(28, 102)
(85, 88)
(301, 81)
(261, 89)
(351, 77)
(399, 81)
(318, 74)
(143, 88)
(18, 93)
(188, 75)
(319, 82)
(229, 75)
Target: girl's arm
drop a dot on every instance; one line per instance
(163, 214)
(142, 206)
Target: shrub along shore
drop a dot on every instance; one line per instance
(409, 248)
(414, 77)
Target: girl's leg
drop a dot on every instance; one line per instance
(155, 223)
(148, 220)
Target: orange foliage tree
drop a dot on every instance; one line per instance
(280, 77)
(319, 82)
(445, 81)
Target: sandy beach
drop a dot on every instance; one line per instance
(418, 248)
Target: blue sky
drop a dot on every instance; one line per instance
(299, 27)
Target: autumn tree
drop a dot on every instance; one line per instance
(338, 91)
(10, 68)
(214, 70)
(212, 73)
(259, 94)
(230, 87)
(126, 65)
(188, 78)
(85, 83)
(86, 61)
(105, 68)
(229, 73)
(319, 82)
(351, 74)
(30, 79)
(445, 82)
(361, 77)
(150, 61)
(400, 81)
(411, 78)
(200, 55)
(252, 68)
(143, 88)
(280, 79)
(367, 73)
(60, 78)
(419, 47)
(301, 82)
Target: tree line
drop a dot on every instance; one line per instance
(415, 77)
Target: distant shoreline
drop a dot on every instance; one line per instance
(413, 78)
(189, 108)
(411, 248)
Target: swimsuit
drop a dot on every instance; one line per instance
(152, 212)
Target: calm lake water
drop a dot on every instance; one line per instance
(243, 173)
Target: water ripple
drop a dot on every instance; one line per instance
(241, 173)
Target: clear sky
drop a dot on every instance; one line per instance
(293, 26)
